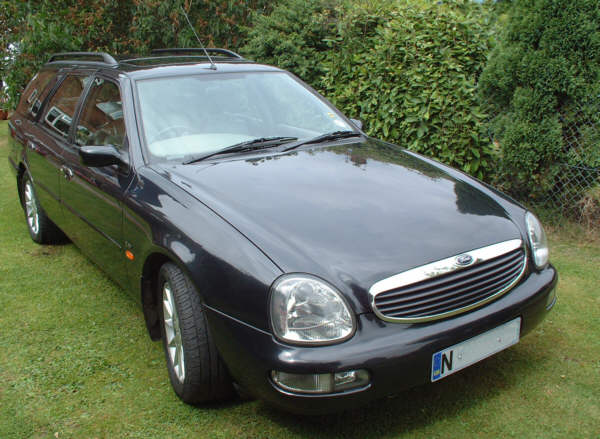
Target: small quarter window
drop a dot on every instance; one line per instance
(35, 92)
(101, 121)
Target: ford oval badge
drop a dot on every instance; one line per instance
(464, 260)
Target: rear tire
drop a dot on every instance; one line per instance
(41, 228)
(196, 370)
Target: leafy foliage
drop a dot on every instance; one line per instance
(543, 82)
(159, 23)
(407, 69)
(413, 81)
(31, 31)
(294, 37)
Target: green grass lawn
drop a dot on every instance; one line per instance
(75, 361)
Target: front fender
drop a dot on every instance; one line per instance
(230, 273)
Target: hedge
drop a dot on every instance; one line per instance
(543, 84)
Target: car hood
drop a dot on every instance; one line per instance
(352, 213)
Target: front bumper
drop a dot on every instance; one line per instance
(398, 356)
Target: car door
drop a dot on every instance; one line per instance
(92, 196)
(45, 139)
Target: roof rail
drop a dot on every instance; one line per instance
(193, 50)
(101, 57)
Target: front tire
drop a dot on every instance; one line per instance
(196, 370)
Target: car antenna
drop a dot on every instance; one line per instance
(213, 66)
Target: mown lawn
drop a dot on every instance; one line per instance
(75, 361)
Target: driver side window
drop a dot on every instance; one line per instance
(101, 121)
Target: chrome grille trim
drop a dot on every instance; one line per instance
(498, 278)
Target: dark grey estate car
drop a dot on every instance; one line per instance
(273, 246)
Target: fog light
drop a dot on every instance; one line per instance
(321, 382)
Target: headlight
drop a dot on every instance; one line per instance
(537, 240)
(307, 310)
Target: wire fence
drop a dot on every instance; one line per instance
(575, 193)
(577, 190)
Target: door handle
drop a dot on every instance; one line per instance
(67, 172)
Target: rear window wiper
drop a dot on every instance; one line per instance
(249, 145)
(325, 137)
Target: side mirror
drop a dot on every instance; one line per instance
(98, 156)
(358, 123)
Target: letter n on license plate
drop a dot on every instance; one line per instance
(463, 354)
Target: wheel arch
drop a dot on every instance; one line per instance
(148, 287)
(149, 281)
(20, 173)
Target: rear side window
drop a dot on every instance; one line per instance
(101, 121)
(35, 93)
(59, 112)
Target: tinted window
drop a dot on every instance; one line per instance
(101, 121)
(35, 93)
(59, 112)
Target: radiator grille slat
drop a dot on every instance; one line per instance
(460, 303)
(427, 292)
(499, 262)
(467, 296)
(452, 292)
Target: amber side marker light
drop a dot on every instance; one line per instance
(129, 255)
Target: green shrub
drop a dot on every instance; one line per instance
(543, 82)
(413, 81)
(221, 23)
(294, 37)
(408, 69)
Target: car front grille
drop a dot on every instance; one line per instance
(450, 286)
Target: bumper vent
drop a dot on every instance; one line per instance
(450, 286)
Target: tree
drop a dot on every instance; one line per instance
(39, 28)
(543, 83)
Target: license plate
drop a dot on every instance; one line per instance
(463, 354)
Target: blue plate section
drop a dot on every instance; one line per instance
(436, 367)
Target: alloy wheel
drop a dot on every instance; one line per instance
(31, 209)
(173, 332)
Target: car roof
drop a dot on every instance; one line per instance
(162, 62)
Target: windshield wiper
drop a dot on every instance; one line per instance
(249, 145)
(325, 137)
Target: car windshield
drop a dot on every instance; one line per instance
(187, 116)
